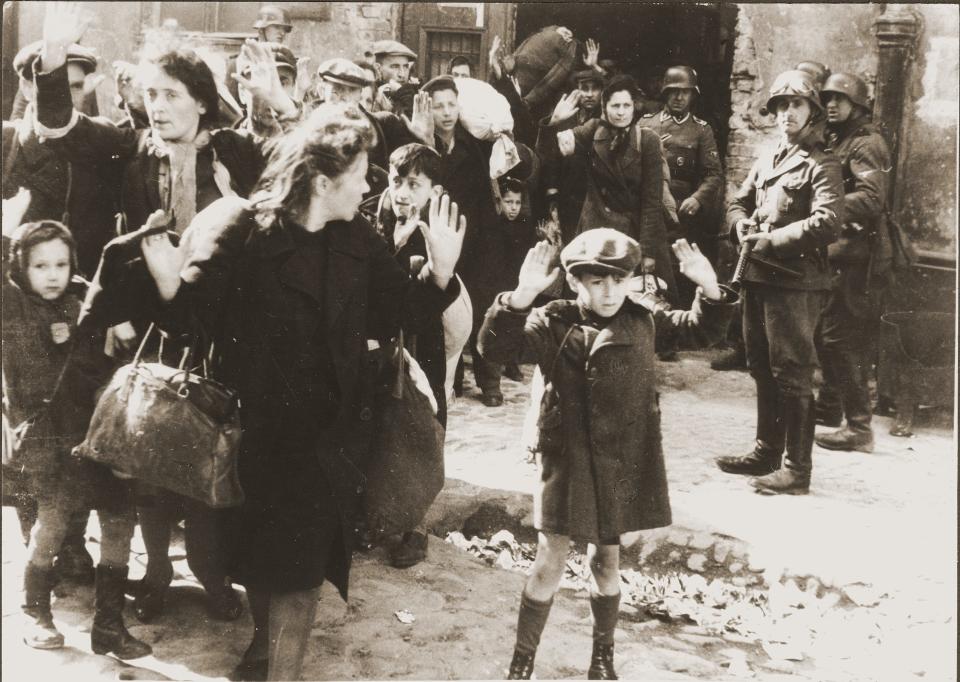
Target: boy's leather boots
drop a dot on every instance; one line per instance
(109, 634)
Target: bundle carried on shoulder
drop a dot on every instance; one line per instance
(485, 113)
(542, 65)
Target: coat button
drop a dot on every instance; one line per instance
(366, 414)
(359, 489)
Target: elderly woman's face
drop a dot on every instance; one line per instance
(174, 113)
(344, 193)
(620, 109)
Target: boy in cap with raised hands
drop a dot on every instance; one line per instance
(602, 474)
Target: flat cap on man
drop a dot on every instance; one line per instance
(392, 47)
(601, 250)
(343, 71)
(23, 62)
(587, 75)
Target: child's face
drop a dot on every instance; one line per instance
(408, 193)
(48, 269)
(511, 203)
(601, 294)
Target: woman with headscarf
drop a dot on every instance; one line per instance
(624, 171)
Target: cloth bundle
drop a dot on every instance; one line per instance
(485, 113)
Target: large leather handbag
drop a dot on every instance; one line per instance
(171, 427)
(405, 473)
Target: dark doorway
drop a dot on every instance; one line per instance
(645, 39)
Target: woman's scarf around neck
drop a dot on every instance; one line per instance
(178, 175)
(618, 136)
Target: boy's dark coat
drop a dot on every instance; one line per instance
(602, 468)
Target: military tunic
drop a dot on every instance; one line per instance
(695, 171)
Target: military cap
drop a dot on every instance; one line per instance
(846, 84)
(444, 82)
(602, 249)
(344, 72)
(392, 47)
(588, 75)
(271, 15)
(82, 56)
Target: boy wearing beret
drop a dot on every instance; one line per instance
(601, 465)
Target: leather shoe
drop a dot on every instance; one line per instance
(411, 550)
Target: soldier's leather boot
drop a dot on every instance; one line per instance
(731, 360)
(766, 454)
(39, 630)
(794, 477)
(109, 634)
(601, 663)
(855, 398)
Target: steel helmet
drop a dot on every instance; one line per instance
(819, 71)
(847, 84)
(271, 15)
(680, 77)
(794, 83)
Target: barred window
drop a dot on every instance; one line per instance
(442, 46)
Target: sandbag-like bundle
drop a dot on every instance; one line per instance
(543, 64)
(485, 113)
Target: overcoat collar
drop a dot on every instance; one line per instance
(618, 162)
(769, 171)
(622, 330)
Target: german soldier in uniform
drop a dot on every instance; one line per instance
(696, 176)
(860, 260)
(788, 210)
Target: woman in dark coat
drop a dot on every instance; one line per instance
(625, 172)
(180, 164)
(291, 289)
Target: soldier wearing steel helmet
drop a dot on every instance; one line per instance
(272, 24)
(690, 147)
(860, 260)
(788, 210)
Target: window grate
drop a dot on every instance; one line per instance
(442, 46)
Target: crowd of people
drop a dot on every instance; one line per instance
(300, 219)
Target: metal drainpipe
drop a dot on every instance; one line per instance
(897, 29)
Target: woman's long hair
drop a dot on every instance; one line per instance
(327, 143)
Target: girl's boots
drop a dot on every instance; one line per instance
(109, 634)
(606, 611)
(39, 632)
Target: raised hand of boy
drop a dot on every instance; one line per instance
(64, 24)
(695, 266)
(538, 272)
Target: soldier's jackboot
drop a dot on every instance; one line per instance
(766, 454)
(794, 477)
(855, 394)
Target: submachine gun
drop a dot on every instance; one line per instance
(747, 257)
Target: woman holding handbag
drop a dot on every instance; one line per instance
(180, 164)
(291, 286)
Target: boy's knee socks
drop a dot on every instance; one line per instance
(606, 611)
(530, 623)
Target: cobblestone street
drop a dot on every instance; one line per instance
(859, 577)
